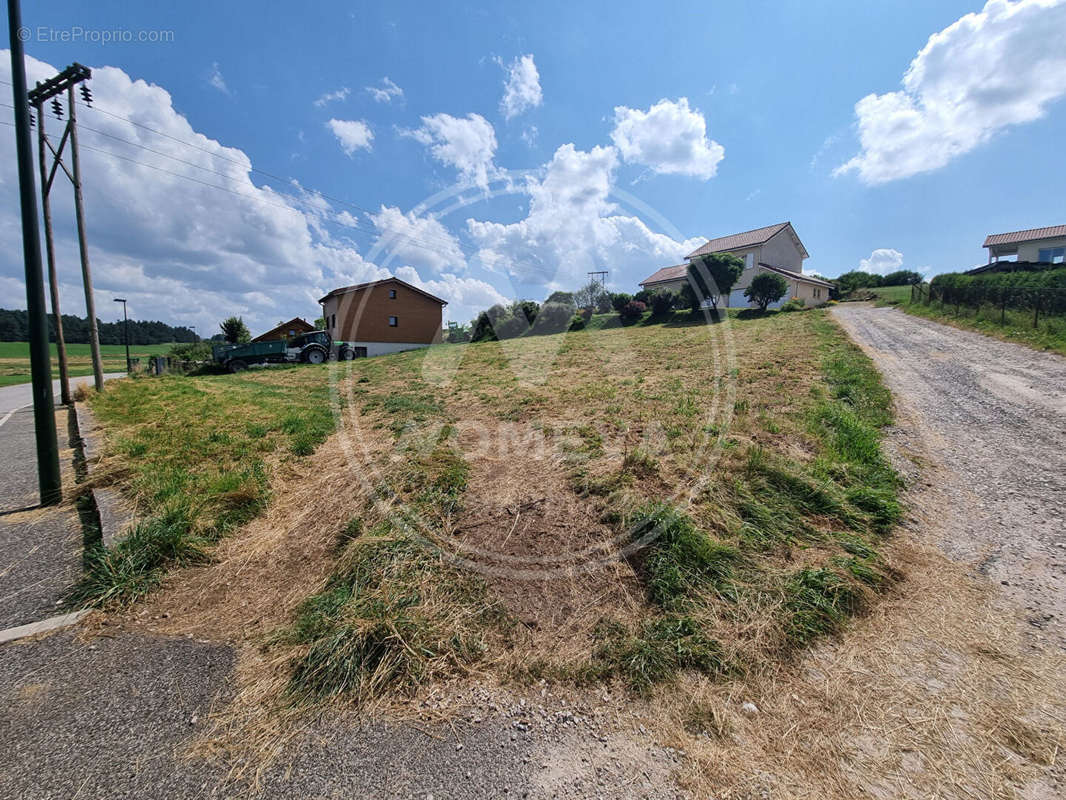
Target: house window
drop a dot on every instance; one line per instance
(333, 322)
(1053, 254)
(393, 322)
(749, 260)
(392, 294)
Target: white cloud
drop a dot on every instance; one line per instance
(465, 296)
(180, 250)
(419, 240)
(386, 92)
(216, 80)
(529, 136)
(987, 71)
(573, 227)
(330, 97)
(882, 261)
(466, 143)
(669, 137)
(353, 134)
(521, 89)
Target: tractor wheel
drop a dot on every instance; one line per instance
(315, 356)
(346, 354)
(236, 365)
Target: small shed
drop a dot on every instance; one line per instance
(286, 330)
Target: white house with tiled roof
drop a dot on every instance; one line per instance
(1035, 244)
(775, 248)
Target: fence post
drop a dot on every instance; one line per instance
(1036, 309)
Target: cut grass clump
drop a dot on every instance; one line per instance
(663, 647)
(677, 561)
(394, 615)
(817, 602)
(136, 564)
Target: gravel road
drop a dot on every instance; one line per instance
(993, 416)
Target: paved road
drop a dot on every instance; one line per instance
(994, 418)
(19, 395)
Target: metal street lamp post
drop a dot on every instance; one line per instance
(125, 332)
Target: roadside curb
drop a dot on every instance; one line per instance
(42, 626)
(107, 512)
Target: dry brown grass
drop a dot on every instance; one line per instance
(932, 693)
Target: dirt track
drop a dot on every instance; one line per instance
(992, 419)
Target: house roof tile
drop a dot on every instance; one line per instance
(358, 286)
(738, 240)
(666, 274)
(1029, 235)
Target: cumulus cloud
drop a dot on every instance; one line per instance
(419, 240)
(331, 97)
(573, 227)
(669, 137)
(987, 71)
(521, 88)
(465, 296)
(466, 143)
(387, 92)
(353, 134)
(180, 250)
(882, 261)
(216, 80)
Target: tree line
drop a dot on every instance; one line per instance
(15, 327)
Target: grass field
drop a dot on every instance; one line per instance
(15, 359)
(892, 294)
(596, 440)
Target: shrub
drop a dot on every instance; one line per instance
(191, 351)
(511, 327)
(643, 296)
(766, 288)
(577, 322)
(585, 313)
(632, 311)
(795, 304)
(662, 302)
(553, 318)
(527, 309)
(564, 298)
(619, 300)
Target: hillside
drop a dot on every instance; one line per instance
(627, 503)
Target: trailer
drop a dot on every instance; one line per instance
(315, 347)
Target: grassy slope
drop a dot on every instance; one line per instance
(1050, 333)
(15, 359)
(779, 547)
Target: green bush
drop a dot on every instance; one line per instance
(663, 302)
(766, 288)
(619, 300)
(553, 318)
(795, 304)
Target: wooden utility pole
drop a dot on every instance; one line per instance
(83, 246)
(53, 279)
(49, 90)
(48, 477)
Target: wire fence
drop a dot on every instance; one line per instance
(1041, 302)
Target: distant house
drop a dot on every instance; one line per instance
(1046, 245)
(286, 330)
(384, 316)
(775, 248)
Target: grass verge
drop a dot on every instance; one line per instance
(1012, 326)
(195, 455)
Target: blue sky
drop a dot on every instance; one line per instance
(628, 132)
